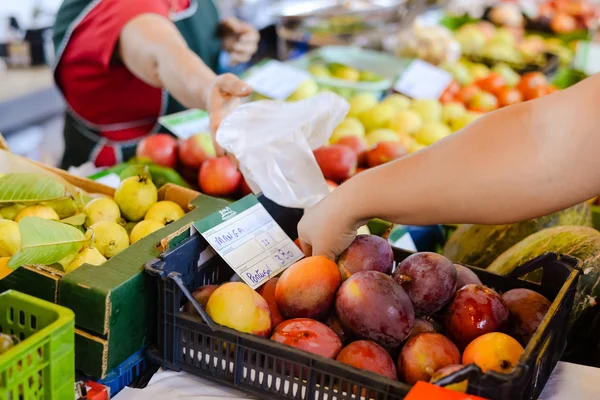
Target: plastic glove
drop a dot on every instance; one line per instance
(240, 40)
(223, 97)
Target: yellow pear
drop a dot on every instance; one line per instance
(361, 103)
(10, 238)
(406, 121)
(144, 228)
(88, 255)
(382, 135)
(165, 212)
(452, 111)
(398, 101)
(101, 209)
(349, 127)
(39, 211)
(377, 117)
(431, 132)
(429, 110)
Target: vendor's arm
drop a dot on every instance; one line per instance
(517, 163)
(153, 49)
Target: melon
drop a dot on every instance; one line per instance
(579, 242)
(479, 245)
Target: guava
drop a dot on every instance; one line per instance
(10, 212)
(65, 262)
(4, 269)
(65, 208)
(165, 212)
(89, 255)
(10, 238)
(135, 195)
(40, 211)
(108, 237)
(144, 228)
(101, 209)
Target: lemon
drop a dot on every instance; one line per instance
(108, 237)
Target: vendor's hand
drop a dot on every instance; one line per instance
(223, 97)
(240, 40)
(327, 228)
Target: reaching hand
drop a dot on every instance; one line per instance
(240, 40)
(327, 228)
(223, 97)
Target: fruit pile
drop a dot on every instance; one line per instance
(82, 228)
(564, 16)
(7, 342)
(437, 316)
(341, 71)
(374, 133)
(196, 158)
(511, 45)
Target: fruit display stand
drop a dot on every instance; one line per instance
(41, 366)
(270, 370)
(114, 311)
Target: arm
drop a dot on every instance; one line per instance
(514, 164)
(152, 48)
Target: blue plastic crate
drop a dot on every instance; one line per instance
(125, 373)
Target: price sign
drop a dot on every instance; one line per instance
(186, 123)
(249, 240)
(111, 180)
(427, 391)
(422, 80)
(276, 80)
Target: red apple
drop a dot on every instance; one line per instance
(357, 144)
(337, 162)
(219, 177)
(196, 149)
(161, 149)
(385, 152)
(244, 188)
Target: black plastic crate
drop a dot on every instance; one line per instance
(270, 370)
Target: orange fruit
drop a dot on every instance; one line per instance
(493, 351)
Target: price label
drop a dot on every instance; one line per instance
(276, 80)
(427, 391)
(186, 123)
(422, 80)
(249, 240)
(587, 57)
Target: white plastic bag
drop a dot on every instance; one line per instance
(273, 142)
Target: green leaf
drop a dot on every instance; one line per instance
(30, 188)
(75, 220)
(45, 242)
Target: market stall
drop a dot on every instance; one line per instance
(179, 272)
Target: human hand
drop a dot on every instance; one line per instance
(328, 228)
(240, 40)
(223, 97)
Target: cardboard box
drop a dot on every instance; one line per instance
(114, 304)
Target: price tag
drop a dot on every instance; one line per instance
(111, 180)
(427, 391)
(249, 240)
(422, 80)
(276, 80)
(186, 123)
(587, 57)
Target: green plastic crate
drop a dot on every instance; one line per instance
(42, 366)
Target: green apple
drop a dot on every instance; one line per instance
(381, 135)
(429, 110)
(349, 127)
(307, 89)
(360, 103)
(431, 132)
(452, 111)
(406, 121)
(377, 117)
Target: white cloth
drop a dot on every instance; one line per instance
(568, 381)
